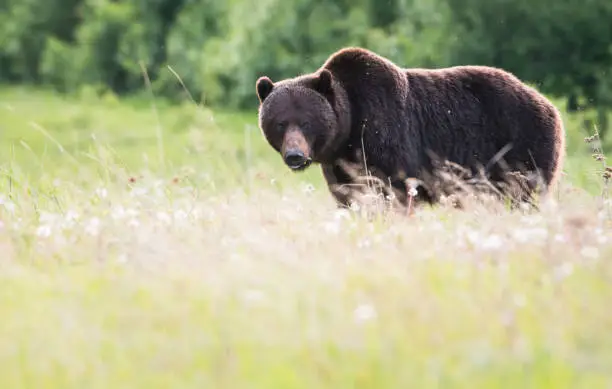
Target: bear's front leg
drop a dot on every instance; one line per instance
(338, 183)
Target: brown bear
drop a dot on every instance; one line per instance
(361, 109)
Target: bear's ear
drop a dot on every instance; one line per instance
(323, 83)
(264, 86)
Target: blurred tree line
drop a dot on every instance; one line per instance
(219, 47)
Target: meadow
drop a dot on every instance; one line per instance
(145, 245)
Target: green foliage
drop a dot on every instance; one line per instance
(25, 26)
(563, 46)
(215, 49)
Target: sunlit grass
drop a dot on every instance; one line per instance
(214, 267)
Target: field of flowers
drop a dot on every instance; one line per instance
(156, 247)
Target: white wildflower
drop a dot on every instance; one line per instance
(43, 231)
(180, 215)
(560, 238)
(93, 227)
(488, 242)
(473, 236)
(17, 224)
(341, 214)
(492, 242)
(532, 219)
(563, 271)
(102, 193)
(163, 217)
(118, 212)
(138, 192)
(524, 235)
(332, 227)
(520, 300)
(72, 215)
(47, 218)
(590, 252)
(8, 205)
(436, 226)
(308, 188)
(254, 296)
(364, 243)
(70, 219)
(364, 312)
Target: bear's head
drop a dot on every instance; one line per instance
(303, 118)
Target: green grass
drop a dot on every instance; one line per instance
(156, 246)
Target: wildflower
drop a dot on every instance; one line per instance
(520, 300)
(492, 242)
(436, 226)
(163, 217)
(563, 271)
(118, 212)
(93, 227)
(254, 296)
(8, 205)
(364, 243)
(364, 312)
(102, 193)
(590, 252)
(70, 218)
(526, 234)
(43, 231)
(532, 219)
(341, 214)
(46, 218)
(412, 185)
(138, 192)
(332, 227)
(180, 215)
(309, 188)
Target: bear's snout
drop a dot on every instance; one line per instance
(295, 150)
(294, 158)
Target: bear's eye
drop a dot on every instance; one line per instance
(281, 125)
(304, 125)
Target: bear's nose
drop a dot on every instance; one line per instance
(294, 158)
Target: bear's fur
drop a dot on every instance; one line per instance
(360, 109)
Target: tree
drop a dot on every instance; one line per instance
(563, 46)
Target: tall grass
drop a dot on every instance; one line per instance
(214, 267)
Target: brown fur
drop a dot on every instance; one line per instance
(360, 109)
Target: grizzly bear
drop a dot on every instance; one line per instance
(361, 113)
